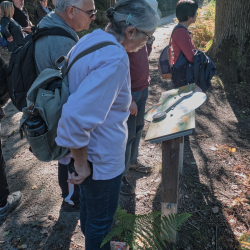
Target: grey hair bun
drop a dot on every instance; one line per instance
(110, 12)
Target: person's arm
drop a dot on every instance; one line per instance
(184, 42)
(5, 24)
(81, 165)
(28, 29)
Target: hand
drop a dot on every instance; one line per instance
(133, 108)
(10, 39)
(28, 29)
(83, 171)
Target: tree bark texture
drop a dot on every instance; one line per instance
(231, 44)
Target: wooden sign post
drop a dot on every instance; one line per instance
(170, 131)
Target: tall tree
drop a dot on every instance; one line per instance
(231, 44)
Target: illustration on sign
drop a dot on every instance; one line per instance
(179, 105)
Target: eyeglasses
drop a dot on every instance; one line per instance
(93, 12)
(150, 38)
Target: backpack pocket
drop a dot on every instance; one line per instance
(43, 146)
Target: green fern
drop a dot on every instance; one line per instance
(145, 232)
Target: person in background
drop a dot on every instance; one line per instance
(54, 2)
(140, 80)
(94, 119)
(8, 201)
(21, 15)
(182, 42)
(72, 20)
(42, 10)
(10, 29)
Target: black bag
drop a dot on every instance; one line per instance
(22, 67)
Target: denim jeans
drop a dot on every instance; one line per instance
(70, 192)
(135, 126)
(98, 202)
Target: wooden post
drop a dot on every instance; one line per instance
(181, 154)
(170, 170)
(170, 177)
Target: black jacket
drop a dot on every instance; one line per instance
(4, 94)
(9, 28)
(199, 72)
(204, 70)
(40, 13)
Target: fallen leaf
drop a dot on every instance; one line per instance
(6, 233)
(232, 221)
(43, 231)
(215, 210)
(23, 246)
(79, 223)
(34, 187)
(42, 219)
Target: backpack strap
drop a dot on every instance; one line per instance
(54, 31)
(170, 40)
(63, 58)
(88, 51)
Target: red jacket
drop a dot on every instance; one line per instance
(182, 41)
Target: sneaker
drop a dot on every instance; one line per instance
(126, 187)
(66, 207)
(13, 201)
(137, 166)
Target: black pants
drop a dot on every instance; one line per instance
(70, 192)
(4, 190)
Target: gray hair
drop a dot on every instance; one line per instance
(62, 5)
(134, 13)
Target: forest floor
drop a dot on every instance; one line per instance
(214, 186)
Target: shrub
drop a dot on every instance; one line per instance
(203, 29)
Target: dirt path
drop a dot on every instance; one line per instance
(207, 187)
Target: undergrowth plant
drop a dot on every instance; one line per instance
(203, 28)
(145, 232)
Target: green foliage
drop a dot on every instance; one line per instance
(145, 232)
(245, 242)
(203, 29)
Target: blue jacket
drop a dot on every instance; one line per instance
(200, 71)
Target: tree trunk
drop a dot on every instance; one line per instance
(231, 44)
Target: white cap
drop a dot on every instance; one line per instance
(153, 4)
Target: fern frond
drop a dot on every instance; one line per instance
(145, 232)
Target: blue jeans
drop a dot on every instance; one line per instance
(98, 202)
(135, 126)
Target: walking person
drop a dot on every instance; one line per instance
(10, 29)
(47, 50)
(8, 201)
(94, 119)
(140, 80)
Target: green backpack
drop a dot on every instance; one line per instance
(45, 99)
